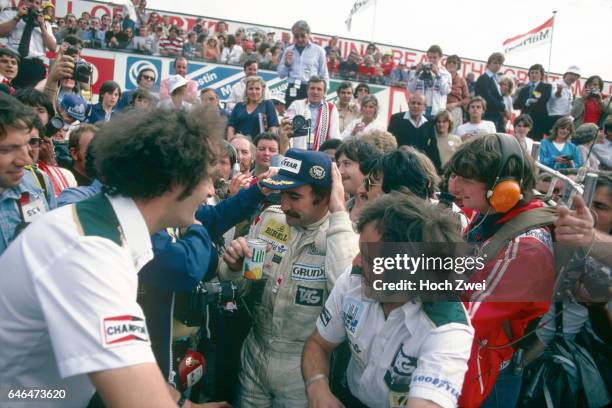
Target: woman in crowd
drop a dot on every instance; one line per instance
(255, 115)
(459, 95)
(366, 121)
(277, 53)
(360, 91)
(264, 56)
(586, 135)
(522, 126)
(447, 142)
(110, 91)
(232, 51)
(593, 104)
(558, 152)
(506, 85)
(211, 52)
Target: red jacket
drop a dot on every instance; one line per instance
(519, 283)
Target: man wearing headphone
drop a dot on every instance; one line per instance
(494, 176)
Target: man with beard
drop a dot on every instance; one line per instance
(312, 242)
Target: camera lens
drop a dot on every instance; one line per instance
(298, 122)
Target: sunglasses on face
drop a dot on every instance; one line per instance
(368, 182)
(148, 78)
(35, 141)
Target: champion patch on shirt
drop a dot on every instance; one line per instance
(123, 330)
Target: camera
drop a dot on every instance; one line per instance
(32, 15)
(190, 308)
(82, 70)
(425, 74)
(594, 275)
(300, 125)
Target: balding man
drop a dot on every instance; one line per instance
(412, 128)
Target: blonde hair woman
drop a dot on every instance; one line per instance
(254, 115)
(366, 120)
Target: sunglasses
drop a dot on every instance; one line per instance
(35, 141)
(368, 182)
(148, 78)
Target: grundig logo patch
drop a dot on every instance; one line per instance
(123, 330)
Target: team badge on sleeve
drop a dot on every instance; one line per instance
(123, 330)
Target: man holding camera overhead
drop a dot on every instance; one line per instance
(30, 36)
(432, 80)
(312, 120)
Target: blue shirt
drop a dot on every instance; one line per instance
(248, 123)
(312, 61)
(97, 114)
(125, 100)
(75, 194)
(10, 215)
(549, 152)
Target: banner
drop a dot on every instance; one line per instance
(534, 38)
(358, 6)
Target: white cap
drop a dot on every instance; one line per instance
(278, 97)
(175, 82)
(573, 69)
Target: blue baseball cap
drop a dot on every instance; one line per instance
(300, 167)
(74, 106)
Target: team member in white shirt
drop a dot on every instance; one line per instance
(403, 353)
(476, 126)
(68, 313)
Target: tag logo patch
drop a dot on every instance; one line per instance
(291, 165)
(308, 296)
(312, 273)
(123, 330)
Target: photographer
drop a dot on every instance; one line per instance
(30, 36)
(433, 80)
(593, 105)
(318, 119)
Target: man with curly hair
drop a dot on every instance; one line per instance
(71, 309)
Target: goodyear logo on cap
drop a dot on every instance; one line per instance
(291, 165)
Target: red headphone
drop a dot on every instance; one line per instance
(505, 192)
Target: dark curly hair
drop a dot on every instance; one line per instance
(14, 114)
(144, 153)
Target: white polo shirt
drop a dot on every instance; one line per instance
(419, 351)
(37, 45)
(68, 303)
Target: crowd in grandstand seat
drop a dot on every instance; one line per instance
(317, 180)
